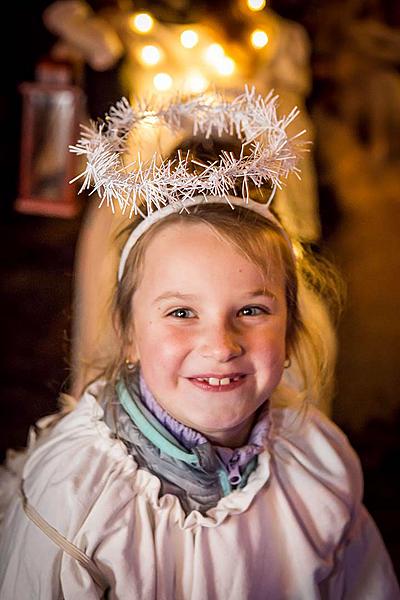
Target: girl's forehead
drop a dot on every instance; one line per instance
(188, 241)
(183, 251)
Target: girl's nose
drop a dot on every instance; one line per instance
(221, 343)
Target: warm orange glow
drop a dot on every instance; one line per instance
(189, 38)
(259, 38)
(142, 22)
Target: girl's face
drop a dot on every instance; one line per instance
(209, 331)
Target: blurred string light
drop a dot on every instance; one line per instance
(225, 66)
(215, 56)
(196, 82)
(256, 5)
(142, 22)
(213, 53)
(150, 55)
(163, 82)
(259, 38)
(209, 58)
(189, 38)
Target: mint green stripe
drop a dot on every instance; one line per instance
(224, 481)
(150, 418)
(149, 431)
(248, 470)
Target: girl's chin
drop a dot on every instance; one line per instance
(215, 428)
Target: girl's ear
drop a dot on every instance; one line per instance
(117, 326)
(131, 357)
(126, 340)
(131, 350)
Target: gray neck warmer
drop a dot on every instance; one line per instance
(197, 475)
(235, 460)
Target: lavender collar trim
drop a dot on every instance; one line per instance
(235, 460)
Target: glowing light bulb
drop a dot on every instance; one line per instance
(225, 66)
(256, 5)
(162, 82)
(214, 53)
(196, 83)
(259, 38)
(150, 55)
(142, 22)
(189, 38)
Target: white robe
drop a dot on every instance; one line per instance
(297, 531)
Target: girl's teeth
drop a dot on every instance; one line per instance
(215, 381)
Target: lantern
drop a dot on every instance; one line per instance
(51, 110)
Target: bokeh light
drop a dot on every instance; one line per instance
(142, 22)
(189, 38)
(259, 38)
(162, 82)
(196, 82)
(225, 66)
(213, 53)
(256, 5)
(150, 55)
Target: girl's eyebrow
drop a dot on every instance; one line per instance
(179, 296)
(262, 292)
(173, 295)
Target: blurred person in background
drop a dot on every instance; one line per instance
(165, 48)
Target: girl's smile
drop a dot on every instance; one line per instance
(219, 383)
(209, 330)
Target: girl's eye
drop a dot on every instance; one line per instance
(253, 311)
(181, 313)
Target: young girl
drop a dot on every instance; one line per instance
(193, 469)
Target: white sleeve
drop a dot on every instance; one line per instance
(364, 570)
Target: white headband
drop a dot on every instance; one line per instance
(261, 209)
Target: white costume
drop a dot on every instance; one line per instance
(296, 531)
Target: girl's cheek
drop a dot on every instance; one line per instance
(178, 334)
(176, 337)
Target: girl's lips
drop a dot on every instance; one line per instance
(236, 380)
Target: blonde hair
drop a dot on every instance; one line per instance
(309, 283)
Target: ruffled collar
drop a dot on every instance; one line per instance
(99, 401)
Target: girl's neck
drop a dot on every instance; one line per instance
(236, 451)
(235, 438)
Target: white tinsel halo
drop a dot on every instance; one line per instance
(157, 183)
